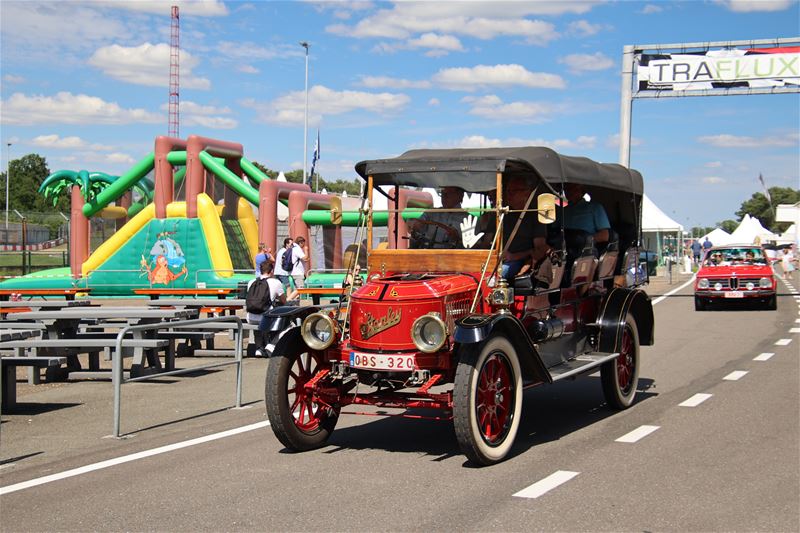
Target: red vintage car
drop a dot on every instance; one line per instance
(438, 326)
(736, 272)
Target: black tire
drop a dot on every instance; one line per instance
(620, 376)
(772, 303)
(486, 427)
(699, 304)
(302, 424)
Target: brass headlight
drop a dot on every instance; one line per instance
(428, 333)
(318, 331)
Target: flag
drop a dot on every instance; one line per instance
(314, 157)
(766, 191)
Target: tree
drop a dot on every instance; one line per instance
(273, 174)
(27, 174)
(728, 225)
(758, 206)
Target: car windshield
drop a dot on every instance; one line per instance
(735, 257)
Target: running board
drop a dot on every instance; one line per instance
(579, 365)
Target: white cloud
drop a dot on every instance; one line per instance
(289, 109)
(583, 28)
(434, 102)
(250, 51)
(247, 69)
(650, 9)
(378, 82)
(492, 107)
(146, 64)
(484, 76)
(725, 140)
(437, 45)
(480, 20)
(578, 63)
(120, 158)
(712, 180)
(194, 114)
(747, 6)
(613, 141)
(480, 141)
(66, 143)
(68, 108)
(11, 78)
(194, 8)
(713, 164)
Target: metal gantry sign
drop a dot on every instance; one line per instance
(723, 68)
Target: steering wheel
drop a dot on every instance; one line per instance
(452, 235)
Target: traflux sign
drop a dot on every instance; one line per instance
(677, 70)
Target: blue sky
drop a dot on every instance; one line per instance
(85, 85)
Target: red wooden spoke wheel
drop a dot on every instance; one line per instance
(620, 376)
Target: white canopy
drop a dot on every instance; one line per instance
(717, 236)
(750, 230)
(655, 220)
(283, 211)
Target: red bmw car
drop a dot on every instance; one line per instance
(736, 272)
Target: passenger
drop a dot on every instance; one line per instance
(749, 257)
(529, 243)
(583, 215)
(440, 229)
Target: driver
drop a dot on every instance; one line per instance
(441, 229)
(529, 241)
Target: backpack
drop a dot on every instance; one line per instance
(258, 299)
(286, 260)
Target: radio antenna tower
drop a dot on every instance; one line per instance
(174, 74)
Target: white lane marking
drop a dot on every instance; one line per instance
(736, 375)
(673, 291)
(695, 400)
(763, 357)
(783, 342)
(637, 434)
(794, 330)
(547, 484)
(128, 458)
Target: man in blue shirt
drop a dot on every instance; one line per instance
(263, 255)
(697, 248)
(580, 214)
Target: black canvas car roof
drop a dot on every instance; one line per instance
(474, 169)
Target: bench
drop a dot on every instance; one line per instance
(92, 346)
(210, 350)
(8, 380)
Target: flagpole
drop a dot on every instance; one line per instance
(304, 44)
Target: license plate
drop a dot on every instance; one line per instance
(374, 361)
(734, 294)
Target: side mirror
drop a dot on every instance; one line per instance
(336, 211)
(546, 206)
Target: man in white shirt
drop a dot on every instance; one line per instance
(299, 258)
(276, 295)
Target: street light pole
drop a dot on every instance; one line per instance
(8, 178)
(304, 44)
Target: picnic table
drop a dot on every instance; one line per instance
(193, 339)
(154, 294)
(63, 337)
(68, 294)
(317, 292)
(7, 307)
(9, 364)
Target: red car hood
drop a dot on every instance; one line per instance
(740, 271)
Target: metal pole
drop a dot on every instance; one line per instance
(626, 107)
(304, 44)
(8, 178)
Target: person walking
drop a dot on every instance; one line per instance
(787, 263)
(280, 272)
(707, 244)
(697, 249)
(299, 259)
(264, 254)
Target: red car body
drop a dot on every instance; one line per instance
(730, 273)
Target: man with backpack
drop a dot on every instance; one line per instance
(282, 258)
(299, 258)
(263, 293)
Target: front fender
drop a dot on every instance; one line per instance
(619, 303)
(285, 316)
(477, 328)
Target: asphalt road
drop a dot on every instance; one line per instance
(731, 462)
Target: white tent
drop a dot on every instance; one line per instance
(283, 211)
(717, 237)
(750, 230)
(659, 232)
